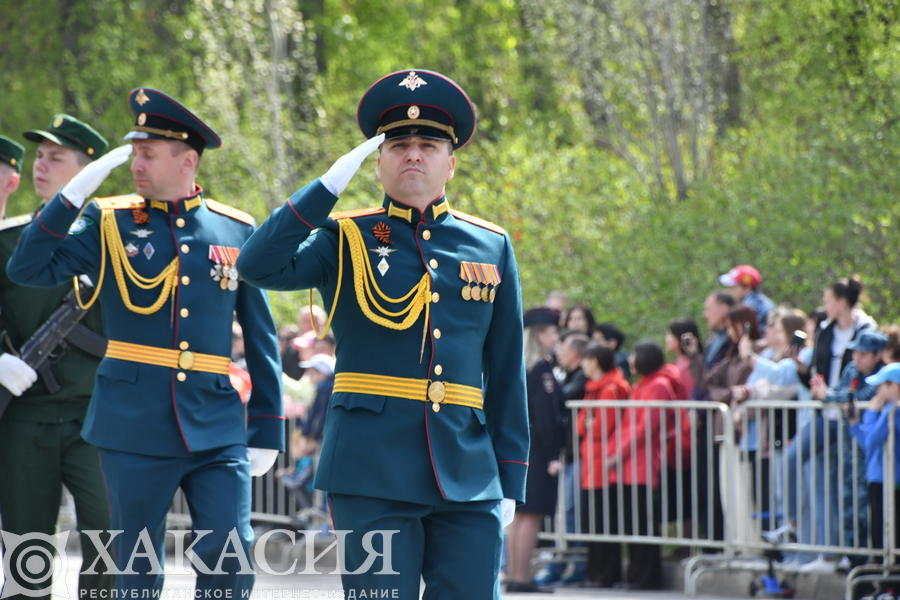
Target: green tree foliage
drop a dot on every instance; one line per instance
(633, 150)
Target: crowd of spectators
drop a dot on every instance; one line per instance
(788, 463)
(813, 476)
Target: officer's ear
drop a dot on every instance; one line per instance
(191, 160)
(452, 167)
(12, 183)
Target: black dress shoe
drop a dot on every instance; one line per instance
(526, 587)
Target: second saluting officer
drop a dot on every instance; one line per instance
(426, 436)
(163, 411)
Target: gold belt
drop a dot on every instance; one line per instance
(167, 357)
(438, 392)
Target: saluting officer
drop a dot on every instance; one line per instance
(163, 412)
(427, 429)
(41, 448)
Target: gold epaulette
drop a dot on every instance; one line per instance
(229, 211)
(12, 222)
(476, 221)
(130, 201)
(359, 212)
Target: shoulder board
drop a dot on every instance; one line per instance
(476, 221)
(12, 222)
(360, 212)
(130, 201)
(228, 211)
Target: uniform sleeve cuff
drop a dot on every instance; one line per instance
(266, 431)
(512, 479)
(312, 204)
(56, 217)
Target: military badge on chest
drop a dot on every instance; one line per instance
(223, 270)
(132, 247)
(382, 233)
(486, 278)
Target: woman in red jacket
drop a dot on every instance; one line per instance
(634, 464)
(596, 426)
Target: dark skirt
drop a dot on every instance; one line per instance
(540, 487)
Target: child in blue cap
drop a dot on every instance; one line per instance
(872, 433)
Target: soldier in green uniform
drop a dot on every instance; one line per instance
(426, 435)
(41, 448)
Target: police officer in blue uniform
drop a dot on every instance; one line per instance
(427, 430)
(163, 411)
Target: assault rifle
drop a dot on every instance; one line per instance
(48, 337)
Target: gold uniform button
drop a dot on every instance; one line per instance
(185, 249)
(185, 280)
(179, 222)
(433, 262)
(435, 297)
(184, 345)
(438, 369)
(181, 376)
(437, 334)
(426, 235)
(184, 312)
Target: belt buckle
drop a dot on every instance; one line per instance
(186, 360)
(436, 393)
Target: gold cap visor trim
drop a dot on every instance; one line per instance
(421, 123)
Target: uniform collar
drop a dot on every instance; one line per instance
(433, 213)
(182, 205)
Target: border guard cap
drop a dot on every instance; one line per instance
(11, 153)
(160, 117)
(68, 131)
(417, 103)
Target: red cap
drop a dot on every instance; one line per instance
(741, 275)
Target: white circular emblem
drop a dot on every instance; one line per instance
(142, 118)
(78, 226)
(413, 112)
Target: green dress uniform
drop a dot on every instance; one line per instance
(427, 427)
(41, 448)
(164, 413)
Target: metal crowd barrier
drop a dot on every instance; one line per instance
(748, 482)
(754, 480)
(273, 504)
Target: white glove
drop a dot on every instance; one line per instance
(507, 511)
(91, 176)
(342, 171)
(261, 460)
(15, 374)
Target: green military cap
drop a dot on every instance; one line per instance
(68, 131)
(11, 153)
